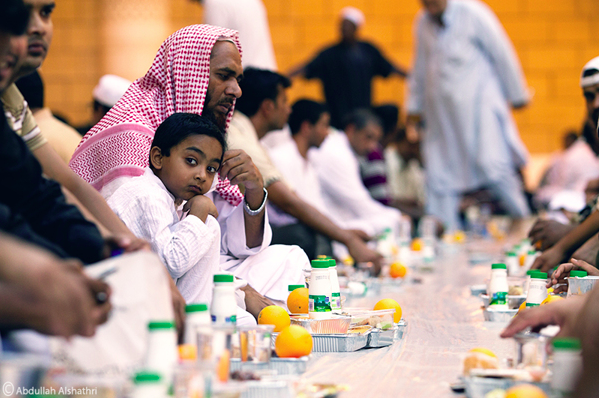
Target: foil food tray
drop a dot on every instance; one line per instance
(267, 389)
(340, 342)
(580, 286)
(499, 315)
(478, 387)
(336, 325)
(513, 301)
(382, 338)
(283, 366)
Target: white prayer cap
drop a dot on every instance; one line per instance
(353, 15)
(589, 74)
(110, 89)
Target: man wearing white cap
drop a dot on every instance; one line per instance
(465, 75)
(107, 92)
(347, 69)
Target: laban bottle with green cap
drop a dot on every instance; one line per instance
(498, 290)
(162, 356)
(223, 308)
(567, 366)
(319, 290)
(537, 289)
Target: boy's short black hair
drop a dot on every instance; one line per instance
(257, 86)
(305, 110)
(179, 126)
(14, 17)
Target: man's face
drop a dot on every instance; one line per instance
(434, 8)
(320, 130)
(591, 101)
(281, 110)
(39, 34)
(366, 140)
(223, 84)
(348, 30)
(12, 53)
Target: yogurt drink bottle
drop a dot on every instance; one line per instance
(223, 308)
(498, 290)
(319, 290)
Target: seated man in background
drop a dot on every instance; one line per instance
(263, 108)
(107, 92)
(336, 162)
(62, 137)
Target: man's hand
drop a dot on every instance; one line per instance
(548, 232)
(361, 253)
(561, 274)
(255, 301)
(561, 312)
(178, 307)
(548, 259)
(362, 235)
(201, 206)
(47, 294)
(239, 168)
(124, 242)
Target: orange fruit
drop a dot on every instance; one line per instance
(274, 315)
(525, 391)
(416, 245)
(293, 342)
(522, 306)
(297, 301)
(550, 299)
(188, 352)
(388, 304)
(397, 270)
(522, 258)
(484, 351)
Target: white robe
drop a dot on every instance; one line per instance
(464, 76)
(347, 199)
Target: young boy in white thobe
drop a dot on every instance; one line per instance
(168, 205)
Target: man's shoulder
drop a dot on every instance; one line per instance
(139, 190)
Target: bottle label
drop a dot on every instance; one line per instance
(228, 319)
(319, 304)
(531, 305)
(336, 301)
(498, 298)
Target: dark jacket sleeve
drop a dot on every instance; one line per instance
(40, 202)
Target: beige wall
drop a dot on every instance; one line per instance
(553, 38)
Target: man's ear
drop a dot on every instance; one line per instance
(267, 107)
(156, 158)
(305, 128)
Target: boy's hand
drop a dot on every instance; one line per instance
(201, 206)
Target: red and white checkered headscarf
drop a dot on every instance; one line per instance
(119, 145)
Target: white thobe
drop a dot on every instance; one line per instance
(344, 194)
(187, 246)
(249, 18)
(464, 76)
(569, 171)
(300, 175)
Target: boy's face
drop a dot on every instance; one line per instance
(190, 168)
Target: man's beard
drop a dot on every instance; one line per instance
(594, 118)
(218, 119)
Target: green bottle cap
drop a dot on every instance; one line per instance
(499, 266)
(291, 288)
(531, 272)
(161, 325)
(578, 273)
(196, 308)
(566, 343)
(320, 263)
(332, 263)
(222, 278)
(146, 377)
(539, 275)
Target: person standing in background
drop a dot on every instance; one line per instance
(347, 68)
(249, 18)
(466, 74)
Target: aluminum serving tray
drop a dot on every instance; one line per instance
(267, 389)
(477, 290)
(283, 366)
(383, 338)
(514, 301)
(499, 315)
(580, 286)
(337, 325)
(478, 387)
(340, 342)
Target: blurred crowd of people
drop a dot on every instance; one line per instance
(204, 161)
